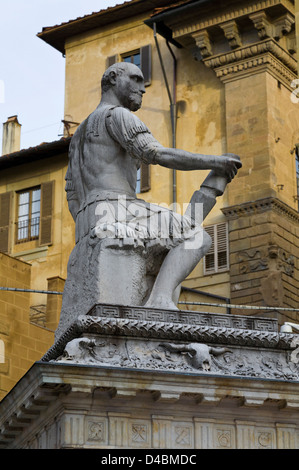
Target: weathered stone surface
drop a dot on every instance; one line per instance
(263, 250)
(133, 377)
(59, 406)
(144, 249)
(140, 338)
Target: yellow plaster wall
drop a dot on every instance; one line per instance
(49, 261)
(24, 343)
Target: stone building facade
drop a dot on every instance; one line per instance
(230, 73)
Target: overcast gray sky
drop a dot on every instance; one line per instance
(31, 71)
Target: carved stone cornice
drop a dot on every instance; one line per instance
(181, 28)
(283, 25)
(265, 55)
(261, 24)
(231, 33)
(243, 38)
(203, 43)
(276, 29)
(163, 330)
(258, 206)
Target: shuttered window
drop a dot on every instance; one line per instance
(111, 60)
(146, 64)
(5, 208)
(32, 216)
(141, 57)
(217, 258)
(28, 215)
(47, 196)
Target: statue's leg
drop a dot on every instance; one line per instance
(177, 265)
(182, 259)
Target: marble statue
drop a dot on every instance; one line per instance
(127, 251)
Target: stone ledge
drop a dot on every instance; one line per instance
(189, 317)
(259, 206)
(188, 326)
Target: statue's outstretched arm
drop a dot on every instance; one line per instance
(227, 164)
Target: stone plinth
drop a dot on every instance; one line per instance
(72, 406)
(131, 378)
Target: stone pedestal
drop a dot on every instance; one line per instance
(135, 378)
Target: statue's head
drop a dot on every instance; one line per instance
(126, 82)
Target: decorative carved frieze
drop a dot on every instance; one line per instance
(258, 259)
(192, 333)
(200, 358)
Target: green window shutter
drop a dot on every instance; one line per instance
(146, 64)
(5, 211)
(111, 60)
(46, 222)
(145, 176)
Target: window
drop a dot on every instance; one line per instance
(30, 212)
(133, 58)
(217, 259)
(28, 217)
(140, 57)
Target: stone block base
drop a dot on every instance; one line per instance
(137, 378)
(58, 406)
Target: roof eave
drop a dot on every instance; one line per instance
(32, 154)
(56, 36)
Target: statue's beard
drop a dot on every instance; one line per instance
(135, 101)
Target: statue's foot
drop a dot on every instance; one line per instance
(161, 302)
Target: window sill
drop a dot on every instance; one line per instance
(31, 254)
(212, 273)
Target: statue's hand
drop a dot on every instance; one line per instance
(228, 164)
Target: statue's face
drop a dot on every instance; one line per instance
(129, 87)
